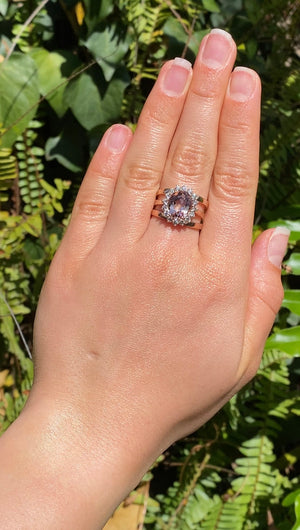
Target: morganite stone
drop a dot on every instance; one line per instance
(179, 204)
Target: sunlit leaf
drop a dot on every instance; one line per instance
(19, 95)
(92, 101)
(287, 340)
(211, 6)
(53, 71)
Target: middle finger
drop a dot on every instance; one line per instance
(193, 149)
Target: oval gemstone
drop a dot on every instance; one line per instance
(179, 204)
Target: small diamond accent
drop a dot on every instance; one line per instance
(179, 205)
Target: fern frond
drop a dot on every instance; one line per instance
(31, 168)
(227, 515)
(8, 172)
(37, 194)
(248, 491)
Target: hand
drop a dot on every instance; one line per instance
(144, 330)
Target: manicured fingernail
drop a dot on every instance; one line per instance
(242, 83)
(217, 48)
(278, 245)
(176, 77)
(117, 138)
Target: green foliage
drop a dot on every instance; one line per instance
(294, 499)
(65, 76)
(288, 340)
(19, 96)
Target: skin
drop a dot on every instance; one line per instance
(144, 330)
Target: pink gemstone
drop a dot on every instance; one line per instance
(179, 204)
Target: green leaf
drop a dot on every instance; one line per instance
(92, 101)
(251, 48)
(290, 498)
(292, 300)
(294, 262)
(3, 7)
(33, 225)
(211, 5)
(173, 28)
(108, 47)
(113, 97)
(287, 340)
(84, 99)
(294, 498)
(19, 95)
(33, 251)
(53, 71)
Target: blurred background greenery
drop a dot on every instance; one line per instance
(70, 69)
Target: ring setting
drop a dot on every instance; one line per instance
(180, 206)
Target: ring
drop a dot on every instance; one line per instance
(180, 206)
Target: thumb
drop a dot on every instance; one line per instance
(265, 296)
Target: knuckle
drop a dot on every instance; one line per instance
(191, 160)
(235, 125)
(141, 177)
(209, 90)
(158, 114)
(232, 182)
(90, 208)
(94, 196)
(104, 177)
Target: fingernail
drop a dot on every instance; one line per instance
(176, 77)
(242, 83)
(117, 138)
(217, 48)
(278, 245)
